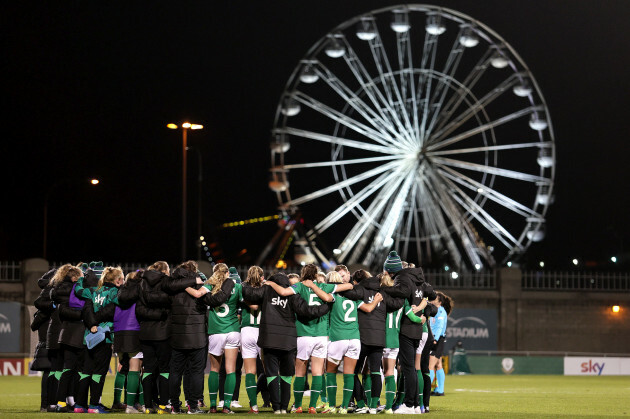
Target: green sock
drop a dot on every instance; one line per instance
(228, 389)
(316, 389)
(298, 391)
(420, 386)
(322, 395)
(390, 391)
(213, 387)
(367, 386)
(348, 388)
(119, 384)
(141, 391)
(250, 387)
(331, 388)
(133, 380)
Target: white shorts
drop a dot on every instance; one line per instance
(308, 346)
(340, 348)
(423, 342)
(390, 353)
(221, 341)
(139, 355)
(249, 342)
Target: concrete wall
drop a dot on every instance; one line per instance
(576, 321)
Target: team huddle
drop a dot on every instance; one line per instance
(383, 331)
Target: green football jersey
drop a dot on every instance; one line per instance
(315, 327)
(392, 326)
(343, 319)
(224, 318)
(249, 317)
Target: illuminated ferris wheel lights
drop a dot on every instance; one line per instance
(400, 21)
(308, 75)
(536, 235)
(334, 48)
(522, 90)
(545, 159)
(278, 186)
(366, 30)
(290, 107)
(537, 123)
(543, 197)
(434, 25)
(468, 38)
(499, 60)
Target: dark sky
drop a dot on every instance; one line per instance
(88, 88)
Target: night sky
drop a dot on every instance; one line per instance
(88, 88)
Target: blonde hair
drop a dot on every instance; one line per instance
(334, 278)
(220, 274)
(62, 272)
(110, 275)
(321, 277)
(385, 279)
(131, 275)
(159, 266)
(255, 276)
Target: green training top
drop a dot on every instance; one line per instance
(343, 319)
(224, 318)
(315, 327)
(249, 317)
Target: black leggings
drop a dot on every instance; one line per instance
(156, 361)
(373, 356)
(96, 363)
(279, 363)
(424, 367)
(72, 360)
(407, 359)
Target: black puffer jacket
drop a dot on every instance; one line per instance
(372, 325)
(153, 307)
(188, 316)
(410, 284)
(277, 325)
(72, 328)
(41, 322)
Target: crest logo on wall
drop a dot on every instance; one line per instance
(507, 364)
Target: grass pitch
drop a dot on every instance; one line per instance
(471, 396)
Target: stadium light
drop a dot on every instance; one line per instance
(615, 309)
(542, 264)
(614, 259)
(575, 262)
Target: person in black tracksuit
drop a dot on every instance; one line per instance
(278, 336)
(153, 313)
(408, 284)
(189, 331)
(71, 332)
(372, 329)
(41, 322)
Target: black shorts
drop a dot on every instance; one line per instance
(438, 348)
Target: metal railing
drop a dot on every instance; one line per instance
(464, 280)
(10, 271)
(571, 281)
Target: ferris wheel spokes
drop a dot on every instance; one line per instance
(482, 128)
(488, 169)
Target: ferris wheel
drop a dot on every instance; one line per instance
(419, 129)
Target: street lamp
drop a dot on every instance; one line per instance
(185, 127)
(199, 199)
(93, 182)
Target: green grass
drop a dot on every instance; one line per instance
(470, 396)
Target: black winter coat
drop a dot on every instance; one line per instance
(72, 328)
(41, 322)
(153, 307)
(277, 325)
(372, 325)
(188, 316)
(410, 284)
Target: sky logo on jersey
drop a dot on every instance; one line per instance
(418, 294)
(591, 366)
(277, 301)
(99, 299)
